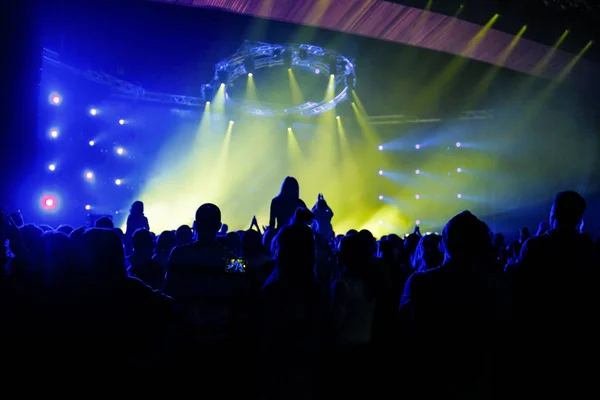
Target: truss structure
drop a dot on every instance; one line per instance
(127, 90)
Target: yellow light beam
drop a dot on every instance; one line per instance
(543, 63)
(567, 70)
(251, 89)
(429, 97)
(493, 71)
(297, 96)
(293, 147)
(218, 102)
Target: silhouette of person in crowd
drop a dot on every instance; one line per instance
(284, 205)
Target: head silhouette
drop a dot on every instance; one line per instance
(208, 221)
(142, 241)
(57, 256)
(184, 235)
(137, 208)
(104, 254)
(355, 254)
(290, 189)
(252, 244)
(567, 210)
(466, 238)
(104, 222)
(166, 241)
(295, 251)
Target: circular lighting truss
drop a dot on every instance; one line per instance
(253, 56)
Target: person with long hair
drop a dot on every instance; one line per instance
(284, 205)
(136, 220)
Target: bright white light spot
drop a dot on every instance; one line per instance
(120, 151)
(91, 142)
(121, 122)
(231, 122)
(380, 197)
(380, 172)
(337, 117)
(417, 197)
(458, 169)
(208, 103)
(417, 146)
(54, 133)
(380, 222)
(88, 207)
(459, 196)
(457, 144)
(55, 99)
(51, 167)
(49, 202)
(249, 74)
(89, 175)
(417, 222)
(417, 171)
(118, 181)
(93, 111)
(380, 148)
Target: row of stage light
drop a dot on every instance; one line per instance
(50, 202)
(417, 172)
(54, 133)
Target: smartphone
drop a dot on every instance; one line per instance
(236, 265)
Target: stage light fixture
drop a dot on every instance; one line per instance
(417, 197)
(121, 122)
(49, 202)
(222, 76)
(52, 167)
(118, 182)
(289, 129)
(417, 171)
(208, 103)
(54, 133)
(55, 99)
(231, 122)
(88, 207)
(89, 175)
(417, 222)
(380, 148)
(380, 197)
(459, 196)
(287, 59)
(380, 172)
(458, 169)
(91, 143)
(93, 111)
(417, 146)
(337, 117)
(249, 65)
(120, 151)
(457, 144)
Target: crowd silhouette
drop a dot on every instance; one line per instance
(311, 314)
